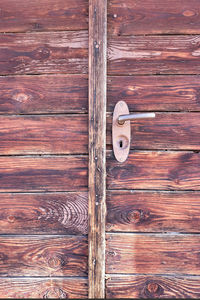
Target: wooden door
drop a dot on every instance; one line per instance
(43, 148)
(140, 218)
(153, 199)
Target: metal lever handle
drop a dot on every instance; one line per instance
(123, 118)
(121, 130)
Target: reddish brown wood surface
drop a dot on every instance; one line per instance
(44, 52)
(153, 211)
(41, 15)
(150, 287)
(40, 288)
(155, 93)
(66, 52)
(97, 147)
(60, 213)
(68, 93)
(153, 17)
(165, 131)
(153, 254)
(43, 256)
(155, 170)
(43, 134)
(176, 54)
(53, 173)
(43, 94)
(47, 213)
(69, 134)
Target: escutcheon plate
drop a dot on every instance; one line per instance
(121, 134)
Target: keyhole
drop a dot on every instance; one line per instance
(121, 144)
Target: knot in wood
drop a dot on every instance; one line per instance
(55, 262)
(41, 53)
(135, 216)
(55, 293)
(188, 13)
(111, 253)
(11, 219)
(20, 97)
(153, 289)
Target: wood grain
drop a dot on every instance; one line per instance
(155, 93)
(97, 147)
(68, 93)
(43, 134)
(146, 211)
(40, 288)
(47, 213)
(151, 287)
(43, 256)
(176, 54)
(165, 131)
(69, 134)
(155, 170)
(36, 15)
(153, 254)
(44, 52)
(43, 94)
(154, 17)
(54, 173)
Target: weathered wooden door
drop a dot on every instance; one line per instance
(44, 148)
(153, 199)
(143, 231)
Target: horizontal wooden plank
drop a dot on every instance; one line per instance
(48, 213)
(40, 288)
(155, 93)
(176, 54)
(43, 134)
(153, 211)
(69, 134)
(69, 93)
(144, 287)
(61, 213)
(155, 170)
(44, 52)
(43, 256)
(153, 254)
(165, 131)
(54, 173)
(155, 17)
(43, 94)
(41, 15)
(67, 52)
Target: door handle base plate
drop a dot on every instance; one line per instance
(121, 134)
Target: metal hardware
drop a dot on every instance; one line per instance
(123, 118)
(121, 129)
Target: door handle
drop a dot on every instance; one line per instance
(123, 118)
(121, 129)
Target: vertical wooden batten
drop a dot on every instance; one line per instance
(97, 146)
